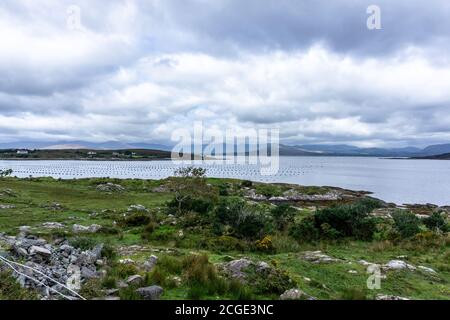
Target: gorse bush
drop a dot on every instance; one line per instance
(406, 223)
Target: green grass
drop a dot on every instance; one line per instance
(80, 199)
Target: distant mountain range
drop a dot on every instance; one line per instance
(285, 150)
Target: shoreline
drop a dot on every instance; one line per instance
(343, 191)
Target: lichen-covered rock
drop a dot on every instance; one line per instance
(262, 277)
(150, 263)
(110, 187)
(318, 257)
(135, 280)
(295, 294)
(398, 265)
(76, 228)
(150, 293)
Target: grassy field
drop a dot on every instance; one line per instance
(179, 241)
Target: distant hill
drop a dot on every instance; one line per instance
(348, 150)
(438, 149)
(445, 156)
(285, 150)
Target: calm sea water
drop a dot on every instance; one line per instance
(399, 181)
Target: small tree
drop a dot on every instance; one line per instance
(5, 173)
(189, 183)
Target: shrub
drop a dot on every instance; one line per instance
(148, 230)
(135, 220)
(283, 216)
(305, 230)
(172, 265)
(200, 205)
(251, 223)
(246, 184)
(109, 282)
(406, 223)
(92, 288)
(265, 244)
(329, 232)
(436, 222)
(223, 189)
(109, 252)
(270, 281)
(348, 220)
(245, 221)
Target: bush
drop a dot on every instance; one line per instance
(348, 220)
(251, 224)
(223, 189)
(244, 221)
(271, 281)
(305, 230)
(436, 222)
(199, 205)
(265, 244)
(148, 230)
(109, 252)
(246, 184)
(283, 216)
(136, 220)
(406, 224)
(92, 288)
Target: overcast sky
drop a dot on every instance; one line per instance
(136, 70)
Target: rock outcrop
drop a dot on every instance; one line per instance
(44, 261)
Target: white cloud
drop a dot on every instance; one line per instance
(137, 72)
